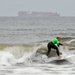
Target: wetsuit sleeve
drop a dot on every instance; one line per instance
(59, 44)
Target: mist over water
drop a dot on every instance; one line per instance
(23, 46)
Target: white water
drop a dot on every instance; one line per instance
(25, 65)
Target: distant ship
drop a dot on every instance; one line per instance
(37, 14)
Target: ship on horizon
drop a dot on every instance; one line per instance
(37, 14)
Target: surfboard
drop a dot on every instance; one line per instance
(59, 59)
(65, 57)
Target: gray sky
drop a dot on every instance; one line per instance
(11, 7)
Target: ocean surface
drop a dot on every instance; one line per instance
(23, 45)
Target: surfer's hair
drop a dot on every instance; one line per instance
(58, 37)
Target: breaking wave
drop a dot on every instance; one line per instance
(28, 54)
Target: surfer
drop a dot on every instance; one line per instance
(54, 43)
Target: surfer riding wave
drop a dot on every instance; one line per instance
(54, 43)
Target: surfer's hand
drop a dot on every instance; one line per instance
(63, 44)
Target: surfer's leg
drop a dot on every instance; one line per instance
(57, 51)
(49, 49)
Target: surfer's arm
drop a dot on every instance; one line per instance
(60, 44)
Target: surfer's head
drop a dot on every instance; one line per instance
(58, 37)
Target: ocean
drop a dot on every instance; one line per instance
(23, 45)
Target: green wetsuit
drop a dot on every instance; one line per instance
(54, 41)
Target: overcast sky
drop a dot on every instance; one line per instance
(11, 7)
